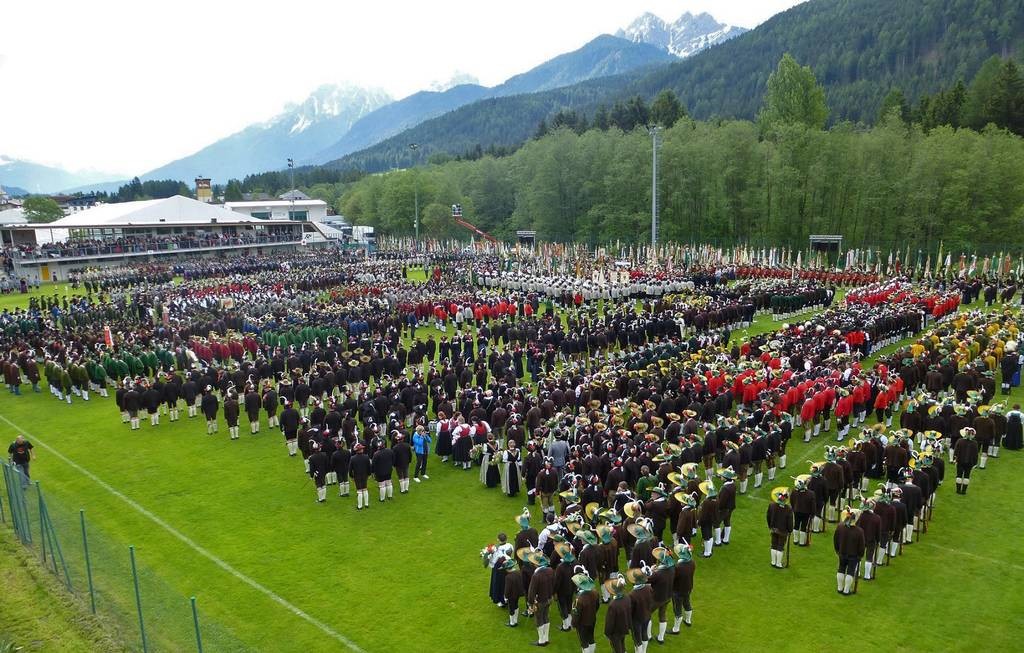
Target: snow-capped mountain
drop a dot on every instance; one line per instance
(38, 178)
(458, 78)
(297, 133)
(688, 35)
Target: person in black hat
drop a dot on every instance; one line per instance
(209, 405)
(131, 404)
(849, 544)
(231, 412)
(403, 458)
(318, 468)
(965, 455)
(289, 421)
(383, 465)
(359, 469)
(546, 485)
(340, 462)
(780, 524)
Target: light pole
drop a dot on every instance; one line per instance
(416, 197)
(291, 193)
(653, 131)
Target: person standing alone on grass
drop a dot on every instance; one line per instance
(421, 445)
(21, 453)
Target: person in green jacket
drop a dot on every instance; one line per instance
(646, 482)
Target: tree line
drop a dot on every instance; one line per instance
(774, 181)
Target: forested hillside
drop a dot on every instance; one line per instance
(727, 181)
(858, 49)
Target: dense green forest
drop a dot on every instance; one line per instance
(774, 181)
(146, 190)
(858, 49)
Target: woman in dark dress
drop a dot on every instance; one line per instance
(490, 474)
(444, 436)
(511, 471)
(1014, 429)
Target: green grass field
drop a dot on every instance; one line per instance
(235, 524)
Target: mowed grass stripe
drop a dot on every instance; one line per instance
(187, 540)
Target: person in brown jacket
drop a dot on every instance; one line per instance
(871, 524)
(835, 481)
(609, 547)
(642, 602)
(726, 504)
(619, 616)
(546, 484)
(564, 587)
(707, 516)
(584, 610)
(682, 586)
(984, 433)
(887, 519)
(514, 591)
(848, 541)
(686, 523)
(896, 457)
(805, 506)
(965, 456)
(662, 579)
(645, 543)
(780, 524)
(542, 590)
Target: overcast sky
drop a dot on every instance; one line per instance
(126, 86)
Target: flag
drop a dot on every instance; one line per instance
(108, 337)
(928, 267)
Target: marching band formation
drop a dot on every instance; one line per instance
(633, 405)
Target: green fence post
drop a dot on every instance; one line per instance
(42, 527)
(7, 487)
(88, 563)
(26, 526)
(55, 551)
(15, 504)
(138, 599)
(195, 621)
(3, 515)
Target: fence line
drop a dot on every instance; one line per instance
(143, 612)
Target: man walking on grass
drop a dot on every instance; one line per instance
(21, 453)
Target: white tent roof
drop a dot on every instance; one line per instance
(328, 231)
(177, 210)
(13, 216)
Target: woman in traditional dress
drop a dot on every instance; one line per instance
(510, 468)
(1014, 429)
(490, 475)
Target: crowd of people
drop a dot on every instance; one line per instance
(632, 412)
(140, 244)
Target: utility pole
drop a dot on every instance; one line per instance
(416, 197)
(653, 131)
(291, 193)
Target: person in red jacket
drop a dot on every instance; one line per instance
(844, 408)
(750, 390)
(807, 415)
(882, 404)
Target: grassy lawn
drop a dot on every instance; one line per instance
(48, 288)
(37, 614)
(235, 524)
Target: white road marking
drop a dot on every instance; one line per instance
(352, 646)
(975, 556)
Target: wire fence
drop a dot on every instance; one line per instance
(141, 609)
